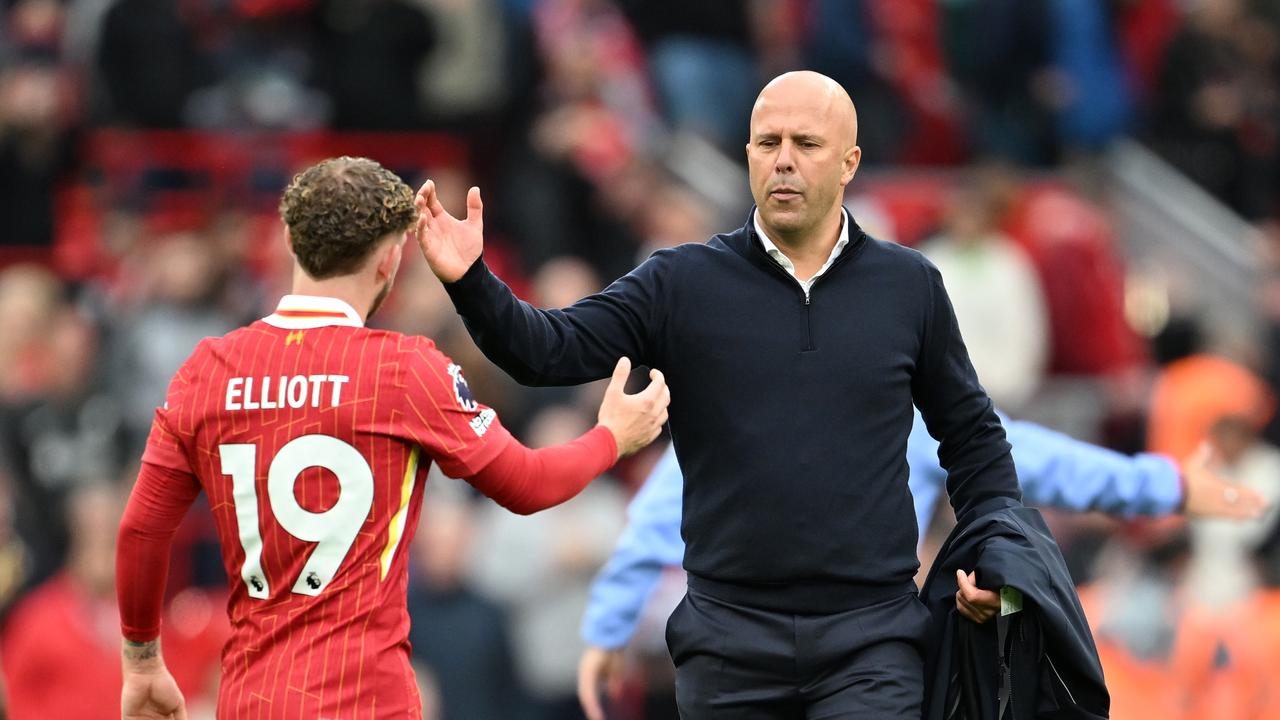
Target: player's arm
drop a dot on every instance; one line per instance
(163, 493)
(1057, 470)
(160, 499)
(526, 481)
(1060, 471)
(535, 346)
(650, 542)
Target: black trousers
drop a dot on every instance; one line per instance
(740, 663)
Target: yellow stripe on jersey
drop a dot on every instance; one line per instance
(396, 530)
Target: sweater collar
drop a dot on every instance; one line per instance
(741, 240)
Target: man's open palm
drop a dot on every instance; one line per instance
(450, 245)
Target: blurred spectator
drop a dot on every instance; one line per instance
(458, 635)
(999, 51)
(701, 55)
(840, 42)
(30, 298)
(1222, 570)
(37, 119)
(561, 281)
(466, 77)
(60, 648)
(15, 566)
(1133, 611)
(420, 305)
(585, 146)
(181, 294)
(1146, 27)
(907, 53)
(1216, 112)
(150, 62)
(1073, 245)
(1091, 97)
(674, 215)
(540, 568)
(1192, 394)
(1269, 313)
(997, 299)
(258, 52)
(368, 55)
(68, 435)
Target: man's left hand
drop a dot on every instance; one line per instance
(973, 602)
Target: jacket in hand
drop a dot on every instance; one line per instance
(1037, 659)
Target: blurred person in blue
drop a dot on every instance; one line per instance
(1053, 469)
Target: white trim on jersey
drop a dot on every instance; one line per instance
(306, 312)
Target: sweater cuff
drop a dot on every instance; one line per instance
(471, 280)
(471, 293)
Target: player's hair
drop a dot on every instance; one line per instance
(339, 209)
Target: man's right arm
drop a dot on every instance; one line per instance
(569, 346)
(537, 347)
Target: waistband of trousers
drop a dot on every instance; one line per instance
(802, 598)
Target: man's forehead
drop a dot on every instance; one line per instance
(804, 103)
(772, 118)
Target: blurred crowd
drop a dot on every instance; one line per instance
(143, 145)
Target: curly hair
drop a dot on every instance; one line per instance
(339, 209)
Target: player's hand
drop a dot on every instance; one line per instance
(598, 666)
(151, 695)
(973, 602)
(634, 420)
(1209, 495)
(451, 246)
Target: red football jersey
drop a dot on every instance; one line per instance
(312, 436)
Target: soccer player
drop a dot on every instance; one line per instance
(312, 435)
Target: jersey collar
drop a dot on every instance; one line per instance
(304, 312)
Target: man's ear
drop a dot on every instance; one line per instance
(389, 258)
(852, 158)
(288, 242)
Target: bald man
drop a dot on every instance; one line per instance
(794, 347)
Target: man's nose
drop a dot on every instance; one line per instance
(785, 164)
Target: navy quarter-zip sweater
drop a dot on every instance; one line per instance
(790, 415)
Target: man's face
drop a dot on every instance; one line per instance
(798, 156)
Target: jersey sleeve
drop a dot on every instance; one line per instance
(442, 416)
(165, 442)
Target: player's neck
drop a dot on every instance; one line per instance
(350, 289)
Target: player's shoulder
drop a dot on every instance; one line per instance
(404, 353)
(406, 344)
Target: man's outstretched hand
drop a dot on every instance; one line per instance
(451, 246)
(1209, 495)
